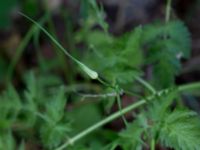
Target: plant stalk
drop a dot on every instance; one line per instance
(91, 73)
(22, 46)
(153, 144)
(168, 11)
(110, 118)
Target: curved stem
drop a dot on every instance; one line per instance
(110, 118)
(168, 10)
(22, 47)
(189, 87)
(146, 84)
(120, 108)
(101, 123)
(105, 83)
(131, 93)
(91, 73)
(118, 92)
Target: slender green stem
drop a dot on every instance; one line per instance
(22, 46)
(51, 37)
(59, 55)
(189, 87)
(106, 95)
(101, 123)
(146, 84)
(19, 52)
(120, 108)
(105, 83)
(132, 93)
(168, 10)
(110, 118)
(61, 58)
(91, 73)
(118, 92)
(153, 144)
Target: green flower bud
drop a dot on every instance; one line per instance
(90, 72)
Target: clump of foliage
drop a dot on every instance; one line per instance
(52, 115)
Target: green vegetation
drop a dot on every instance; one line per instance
(51, 114)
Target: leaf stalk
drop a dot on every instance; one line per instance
(187, 87)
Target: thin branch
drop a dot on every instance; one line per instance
(133, 106)
(114, 94)
(168, 11)
(146, 84)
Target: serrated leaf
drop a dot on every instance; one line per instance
(118, 59)
(53, 134)
(166, 44)
(7, 141)
(54, 128)
(181, 130)
(129, 138)
(9, 108)
(160, 105)
(55, 108)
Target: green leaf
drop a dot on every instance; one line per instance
(37, 96)
(32, 96)
(55, 126)
(158, 108)
(117, 59)
(9, 108)
(181, 130)
(129, 138)
(53, 135)
(133, 52)
(56, 107)
(84, 116)
(7, 141)
(166, 45)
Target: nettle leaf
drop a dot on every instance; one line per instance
(166, 45)
(7, 141)
(53, 135)
(55, 127)
(132, 134)
(181, 37)
(117, 59)
(93, 14)
(34, 92)
(178, 129)
(56, 107)
(37, 87)
(160, 105)
(32, 95)
(133, 52)
(129, 138)
(181, 130)
(156, 112)
(9, 108)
